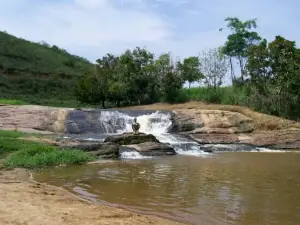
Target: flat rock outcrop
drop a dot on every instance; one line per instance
(130, 138)
(152, 149)
(211, 121)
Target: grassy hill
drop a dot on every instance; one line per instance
(38, 73)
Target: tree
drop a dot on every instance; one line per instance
(214, 67)
(259, 67)
(163, 65)
(87, 89)
(238, 43)
(190, 69)
(171, 83)
(275, 72)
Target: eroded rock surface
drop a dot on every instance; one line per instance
(211, 121)
(103, 150)
(152, 149)
(27, 118)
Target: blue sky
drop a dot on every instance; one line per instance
(91, 28)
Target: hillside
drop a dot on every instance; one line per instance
(37, 72)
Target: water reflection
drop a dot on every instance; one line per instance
(229, 188)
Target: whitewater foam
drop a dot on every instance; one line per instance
(133, 155)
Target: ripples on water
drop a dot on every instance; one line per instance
(227, 188)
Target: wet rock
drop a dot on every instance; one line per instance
(103, 150)
(130, 138)
(226, 148)
(152, 149)
(72, 127)
(215, 138)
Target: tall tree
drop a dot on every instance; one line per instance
(274, 70)
(214, 67)
(190, 69)
(238, 43)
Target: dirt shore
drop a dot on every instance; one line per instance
(24, 201)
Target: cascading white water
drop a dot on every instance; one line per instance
(157, 123)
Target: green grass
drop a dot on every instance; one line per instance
(224, 95)
(41, 156)
(12, 102)
(16, 152)
(11, 134)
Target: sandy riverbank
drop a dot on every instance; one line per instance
(24, 201)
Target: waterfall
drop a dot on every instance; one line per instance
(157, 123)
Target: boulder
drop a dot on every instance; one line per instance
(130, 138)
(184, 123)
(152, 149)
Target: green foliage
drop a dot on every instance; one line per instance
(11, 134)
(171, 84)
(12, 144)
(41, 156)
(239, 41)
(135, 77)
(190, 69)
(12, 102)
(30, 154)
(228, 95)
(274, 71)
(28, 70)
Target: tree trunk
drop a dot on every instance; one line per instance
(189, 85)
(242, 69)
(118, 103)
(103, 104)
(231, 70)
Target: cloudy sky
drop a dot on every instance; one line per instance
(91, 28)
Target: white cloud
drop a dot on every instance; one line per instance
(84, 23)
(91, 28)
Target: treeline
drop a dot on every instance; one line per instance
(137, 77)
(269, 73)
(264, 76)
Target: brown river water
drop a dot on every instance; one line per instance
(225, 188)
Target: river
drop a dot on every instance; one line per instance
(239, 188)
(224, 188)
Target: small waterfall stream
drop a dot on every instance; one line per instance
(157, 123)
